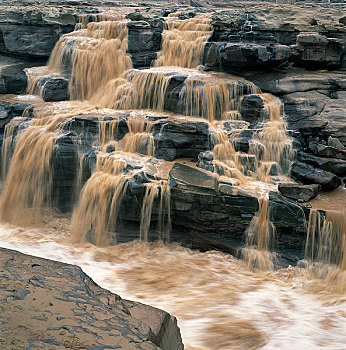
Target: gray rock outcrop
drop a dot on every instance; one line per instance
(47, 304)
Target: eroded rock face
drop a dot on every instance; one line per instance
(318, 50)
(69, 309)
(8, 111)
(179, 140)
(217, 213)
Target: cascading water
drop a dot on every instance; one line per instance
(237, 313)
(28, 184)
(260, 236)
(92, 56)
(183, 41)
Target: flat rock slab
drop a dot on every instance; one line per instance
(300, 193)
(50, 305)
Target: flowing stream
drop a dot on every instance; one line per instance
(221, 302)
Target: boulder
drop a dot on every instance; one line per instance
(35, 298)
(252, 109)
(300, 193)
(55, 89)
(205, 161)
(13, 80)
(336, 144)
(309, 175)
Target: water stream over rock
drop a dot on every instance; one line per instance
(141, 158)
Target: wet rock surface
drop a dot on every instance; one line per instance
(217, 214)
(13, 79)
(8, 111)
(48, 304)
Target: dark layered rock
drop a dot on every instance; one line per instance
(64, 165)
(32, 31)
(298, 80)
(10, 109)
(144, 39)
(335, 143)
(55, 89)
(300, 193)
(316, 50)
(205, 161)
(235, 56)
(84, 315)
(252, 109)
(336, 166)
(13, 80)
(282, 211)
(328, 151)
(262, 36)
(219, 213)
(203, 205)
(290, 220)
(303, 110)
(309, 175)
(334, 113)
(314, 103)
(180, 139)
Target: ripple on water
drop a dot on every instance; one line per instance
(219, 302)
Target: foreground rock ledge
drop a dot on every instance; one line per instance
(50, 305)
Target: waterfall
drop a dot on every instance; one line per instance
(326, 237)
(183, 41)
(260, 237)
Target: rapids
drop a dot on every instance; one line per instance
(219, 302)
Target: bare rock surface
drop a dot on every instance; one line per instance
(45, 304)
(301, 193)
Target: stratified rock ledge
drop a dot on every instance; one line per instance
(50, 305)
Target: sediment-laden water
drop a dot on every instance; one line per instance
(221, 302)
